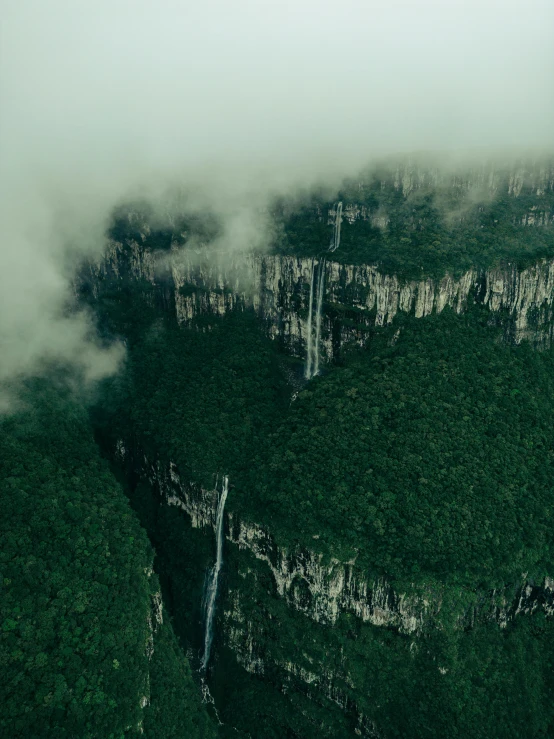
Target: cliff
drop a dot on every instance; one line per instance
(355, 297)
(282, 606)
(319, 590)
(328, 587)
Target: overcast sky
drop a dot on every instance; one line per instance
(98, 97)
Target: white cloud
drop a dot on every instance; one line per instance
(235, 98)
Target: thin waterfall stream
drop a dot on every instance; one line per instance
(309, 331)
(211, 589)
(312, 342)
(319, 305)
(335, 243)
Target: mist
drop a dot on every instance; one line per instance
(236, 101)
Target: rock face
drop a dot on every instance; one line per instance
(535, 177)
(315, 588)
(278, 289)
(155, 619)
(320, 590)
(355, 297)
(323, 589)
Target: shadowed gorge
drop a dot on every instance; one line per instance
(86, 647)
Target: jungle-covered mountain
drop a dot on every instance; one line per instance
(388, 545)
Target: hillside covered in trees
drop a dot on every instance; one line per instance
(419, 460)
(412, 219)
(425, 456)
(82, 650)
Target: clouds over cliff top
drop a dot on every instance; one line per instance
(110, 98)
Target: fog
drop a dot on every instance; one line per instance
(104, 99)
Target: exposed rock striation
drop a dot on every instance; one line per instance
(323, 588)
(356, 297)
(317, 588)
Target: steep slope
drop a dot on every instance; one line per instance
(308, 605)
(414, 216)
(84, 647)
(389, 551)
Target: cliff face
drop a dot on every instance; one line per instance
(535, 177)
(318, 589)
(323, 589)
(155, 620)
(355, 297)
(270, 589)
(278, 289)
(260, 574)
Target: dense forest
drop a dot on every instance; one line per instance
(80, 649)
(184, 394)
(481, 681)
(427, 455)
(422, 223)
(422, 456)
(411, 221)
(418, 454)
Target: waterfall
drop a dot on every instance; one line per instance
(319, 305)
(309, 330)
(312, 345)
(211, 589)
(336, 234)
